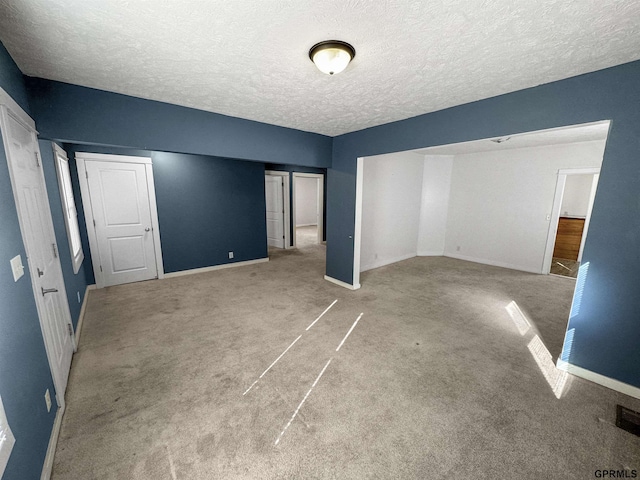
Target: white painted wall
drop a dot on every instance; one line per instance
(575, 201)
(391, 199)
(436, 185)
(499, 202)
(306, 201)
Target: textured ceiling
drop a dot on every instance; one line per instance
(555, 136)
(249, 59)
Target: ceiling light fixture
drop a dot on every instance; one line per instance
(331, 56)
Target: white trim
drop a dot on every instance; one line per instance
(383, 263)
(579, 171)
(587, 220)
(307, 225)
(341, 283)
(109, 157)
(491, 262)
(53, 442)
(194, 271)
(553, 223)
(83, 310)
(430, 254)
(287, 205)
(5, 99)
(155, 224)
(357, 227)
(320, 200)
(81, 159)
(60, 157)
(594, 377)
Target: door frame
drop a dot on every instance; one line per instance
(81, 159)
(286, 200)
(557, 205)
(320, 199)
(9, 107)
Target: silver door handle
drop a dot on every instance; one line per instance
(48, 290)
(147, 229)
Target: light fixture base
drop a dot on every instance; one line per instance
(332, 56)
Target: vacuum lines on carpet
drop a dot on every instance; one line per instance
(304, 399)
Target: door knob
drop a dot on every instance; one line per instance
(40, 272)
(48, 290)
(147, 229)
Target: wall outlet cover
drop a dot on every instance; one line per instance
(47, 399)
(7, 440)
(17, 268)
(230, 254)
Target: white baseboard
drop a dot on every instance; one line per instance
(215, 267)
(484, 261)
(431, 254)
(51, 449)
(341, 283)
(387, 261)
(594, 377)
(83, 309)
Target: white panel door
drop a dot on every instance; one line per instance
(120, 204)
(273, 187)
(40, 243)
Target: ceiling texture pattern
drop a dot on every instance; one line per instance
(249, 59)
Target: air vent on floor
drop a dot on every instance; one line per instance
(628, 420)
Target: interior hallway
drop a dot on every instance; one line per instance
(307, 235)
(436, 380)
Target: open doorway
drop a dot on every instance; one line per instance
(494, 201)
(307, 215)
(573, 204)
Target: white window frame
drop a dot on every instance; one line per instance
(69, 210)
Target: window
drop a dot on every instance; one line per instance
(68, 207)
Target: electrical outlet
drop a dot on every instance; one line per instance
(79, 301)
(230, 254)
(47, 399)
(7, 440)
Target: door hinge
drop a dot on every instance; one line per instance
(100, 267)
(70, 329)
(55, 250)
(37, 160)
(86, 174)
(94, 223)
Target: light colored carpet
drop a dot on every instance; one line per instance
(435, 381)
(306, 235)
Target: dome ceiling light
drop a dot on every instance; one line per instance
(331, 56)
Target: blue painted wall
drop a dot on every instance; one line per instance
(299, 169)
(74, 114)
(75, 283)
(207, 207)
(607, 332)
(24, 369)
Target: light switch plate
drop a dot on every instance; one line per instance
(7, 440)
(17, 268)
